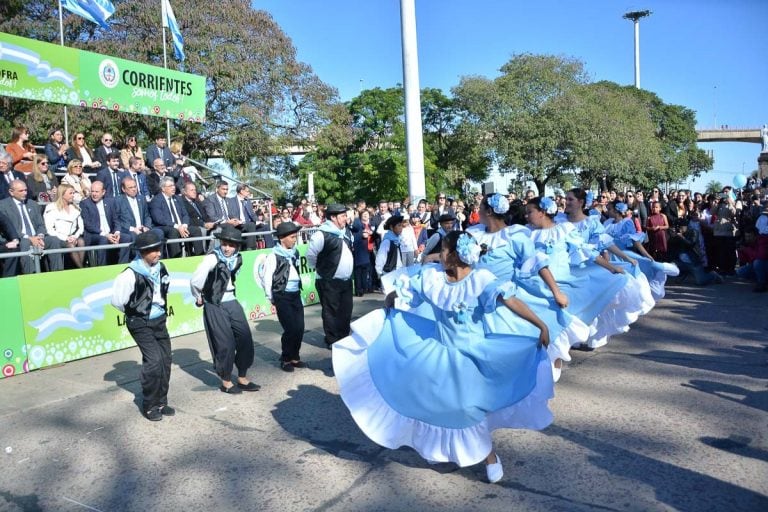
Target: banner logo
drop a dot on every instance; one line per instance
(109, 74)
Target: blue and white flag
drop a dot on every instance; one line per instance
(169, 20)
(96, 11)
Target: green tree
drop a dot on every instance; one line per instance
(260, 99)
(714, 187)
(458, 155)
(362, 154)
(520, 116)
(613, 137)
(674, 127)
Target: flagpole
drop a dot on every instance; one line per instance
(165, 65)
(61, 40)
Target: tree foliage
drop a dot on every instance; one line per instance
(714, 187)
(543, 119)
(260, 99)
(361, 153)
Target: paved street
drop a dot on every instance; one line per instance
(670, 416)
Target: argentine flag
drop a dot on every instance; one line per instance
(169, 20)
(96, 11)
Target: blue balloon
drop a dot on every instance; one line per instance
(739, 181)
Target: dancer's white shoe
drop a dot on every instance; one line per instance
(494, 471)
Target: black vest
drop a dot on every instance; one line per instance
(140, 302)
(218, 279)
(328, 259)
(282, 272)
(439, 246)
(392, 256)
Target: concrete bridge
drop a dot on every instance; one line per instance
(729, 135)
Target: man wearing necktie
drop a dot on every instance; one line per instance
(171, 217)
(132, 211)
(28, 223)
(216, 209)
(110, 176)
(100, 220)
(241, 207)
(136, 170)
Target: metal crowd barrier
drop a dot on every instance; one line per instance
(38, 254)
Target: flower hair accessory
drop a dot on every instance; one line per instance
(498, 204)
(468, 249)
(621, 207)
(589, 199)
(548, 205)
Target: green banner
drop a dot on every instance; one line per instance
(47, 72)
(14, 359)
(78, 321)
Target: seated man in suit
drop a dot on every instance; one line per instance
(7, 174)
(159, 151)
(241, 208)
(216, 207)
(170, 215)
(28, 227)
(132, 211)
(100, 223)
(159, 172)
(103, 152)
(110, 175)
(9, 242)
(194, 208)
(137, 171)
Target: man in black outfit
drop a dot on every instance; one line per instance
(330, 252)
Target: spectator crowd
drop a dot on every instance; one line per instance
(74, 196)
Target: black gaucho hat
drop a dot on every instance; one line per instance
(286, 228)
(447, 217)
(147, 240)
(229, 233)
(393, 221)
(335, 209)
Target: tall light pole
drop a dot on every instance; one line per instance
(635, 17)
(413, 133)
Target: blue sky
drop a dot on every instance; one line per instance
(708, 55)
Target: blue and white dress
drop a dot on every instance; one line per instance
(442, 386)
(511, 255)
(593, 232)
(624, 235)
(607, 302)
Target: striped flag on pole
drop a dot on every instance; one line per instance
(96, 11)
(169, 20)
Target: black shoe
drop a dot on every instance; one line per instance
(286, 366)
(234, 390)
(251, 386)
(154, 414)
(761, 288)
(167, 410)
(584, 348)
(299, 364)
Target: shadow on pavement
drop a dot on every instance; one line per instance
(681, 489)
(736, 445)
(190, 362)
(126, 375)
(738, 360)
(320, 418)
(738, 394)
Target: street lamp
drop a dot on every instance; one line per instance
(635, 17)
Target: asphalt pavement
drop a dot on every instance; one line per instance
(672, 415)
